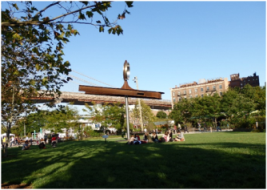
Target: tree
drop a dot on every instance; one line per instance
(107, 115)
(182, 111)
(161, 115)
(32, 50)
(207, 108)
(236, 106)
(63, 117)
(147, 114)
(33, 17)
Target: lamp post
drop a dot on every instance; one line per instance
(139, 103)
(126, 75)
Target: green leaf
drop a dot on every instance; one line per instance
(81, 16)
(129, 3)
(15, 6)
(101, 29)
(37, 67)
(89, 14)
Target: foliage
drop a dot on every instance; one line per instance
(63, 117)
(182, 111)
(240, 107)
(107, 115)
(147, 114)
(32, 49)
(161, 114)
(89, 132)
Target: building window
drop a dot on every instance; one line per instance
(195, 89)
(201, 89)
(208, 88)
(173, 100)
(184, 91)
(214, 87)
(220, 87)
(220, 93)
(241, 84)
(179, 99)
(189, 91)
(185, 97)
(190, 96)
(196, 96)
(173, 94)
(179, 93)
(202, 95)
(207, 94)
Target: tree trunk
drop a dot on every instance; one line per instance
(7, 140)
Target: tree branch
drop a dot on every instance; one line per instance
(16, 23)
(46, 8)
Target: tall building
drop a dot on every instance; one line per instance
(236, 81)
(200, 89)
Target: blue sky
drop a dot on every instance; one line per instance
(172, 43)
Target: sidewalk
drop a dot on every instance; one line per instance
(208, 131)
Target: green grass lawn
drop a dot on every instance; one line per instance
(207, 160)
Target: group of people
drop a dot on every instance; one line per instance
(26, 145)
(167, 137)
(13, 141)
(28, 142)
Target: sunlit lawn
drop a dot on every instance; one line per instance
(208, 160)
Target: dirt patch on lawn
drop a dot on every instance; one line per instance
(15, 186)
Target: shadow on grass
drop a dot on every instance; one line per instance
(95, 164)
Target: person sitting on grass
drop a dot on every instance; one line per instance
(54, 141)
(131, 140)
(145, 139)
(136, 139)
(26, 146)
(170, 135)
(166, 137)
(155, 137)
(180, 137)
(42, 145)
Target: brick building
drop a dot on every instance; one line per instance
(236, 81)
(192, 90)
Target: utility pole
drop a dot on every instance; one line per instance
(139, 103)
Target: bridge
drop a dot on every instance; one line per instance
(80, 98)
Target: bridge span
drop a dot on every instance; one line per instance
(80, 98)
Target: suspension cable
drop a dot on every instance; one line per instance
(92, 78)
(83, 80)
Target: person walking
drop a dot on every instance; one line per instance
(179, 127)
(185, 129)
(45, 138)
(199, 126)
(12, 141)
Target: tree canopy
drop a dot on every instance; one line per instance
(107, 115)
(161, 115)
(32, 49)
(147, 114)
(235, 105)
